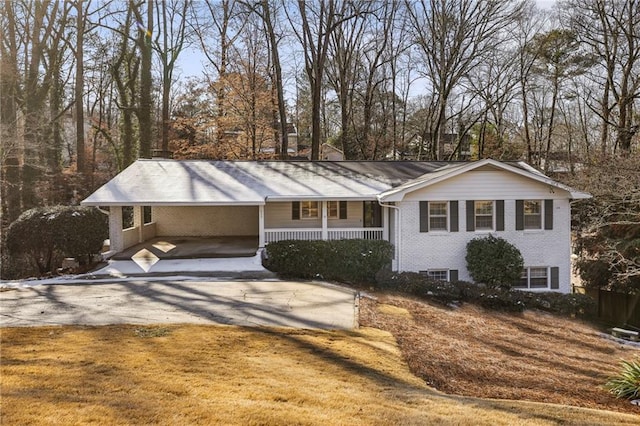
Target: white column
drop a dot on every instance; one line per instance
(138, 221)
(325, 230)
(261, 226)
(116, 238)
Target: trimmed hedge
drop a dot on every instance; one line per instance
(44, 234)
(510, 300)
(339, 260)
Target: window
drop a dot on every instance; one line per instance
(372, 214)
(534, 277)
(532, 214)
(308, 209)
(484, 215)
(438, 216)
(333, 210)
(438, 274)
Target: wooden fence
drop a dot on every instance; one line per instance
(616, 308)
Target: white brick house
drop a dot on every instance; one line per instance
(429, 211)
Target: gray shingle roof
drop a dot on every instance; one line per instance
(201, 182)
(189, 182)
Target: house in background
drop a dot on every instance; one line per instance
(429, 211)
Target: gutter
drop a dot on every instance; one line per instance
(397, 230)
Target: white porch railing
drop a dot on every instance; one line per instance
(278, 234)
(355, 233)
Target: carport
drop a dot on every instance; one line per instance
(193, 247)
(181, 212)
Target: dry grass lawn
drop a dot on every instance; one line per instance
(531, 356)
(188, 374)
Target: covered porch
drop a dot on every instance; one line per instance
(181, 232)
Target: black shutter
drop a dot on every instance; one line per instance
(499, 215)
(424, 216)
(453, 275)
(343, 209)
(555, 278)
(471, 215)
(453, 216)
(548, 214)
(519, 215)
(295, 210)
(377, 214)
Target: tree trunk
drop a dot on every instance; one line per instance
(79, 89)
(275, 57)
(144, 109)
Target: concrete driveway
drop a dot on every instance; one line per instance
(149, 301)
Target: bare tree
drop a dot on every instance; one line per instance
(172, 23)
(454, 36)
(267, 15)
(81, 13)
(318, 21)
(611, 30)
(143, 111)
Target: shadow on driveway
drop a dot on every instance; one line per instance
(246, 303)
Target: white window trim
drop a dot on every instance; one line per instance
(428, 273)
(493, 216)
(318, 210)
(446, 216)
(528, 271)
(337, 216)
(524, 217)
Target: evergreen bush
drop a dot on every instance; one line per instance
(494, 262)
(45, 234)
(499, 299)
(340, 260)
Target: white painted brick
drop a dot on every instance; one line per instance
(447, 250)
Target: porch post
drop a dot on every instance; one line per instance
(325, 230)
(138, 221)
(261, 226)
(116, 239)
(385, 223)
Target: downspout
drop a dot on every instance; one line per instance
(397, 229)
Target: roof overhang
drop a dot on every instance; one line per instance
(88, 202)
(321, 198)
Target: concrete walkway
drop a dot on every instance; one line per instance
(149, 301)
(144, 265)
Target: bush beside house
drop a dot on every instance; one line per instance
(366, 262)
(501, 299)
(38, 240)
(494, 261)
(340, 260)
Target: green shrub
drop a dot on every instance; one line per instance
(627, 383)
(340, 260)
(419, 285)
(44, 234)
(32, 235)
(512, 300)
(502, 301)
(494, 262)
(81, 231)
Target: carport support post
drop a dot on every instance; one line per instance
(261, 226)
(138, 221)
(116, 239)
